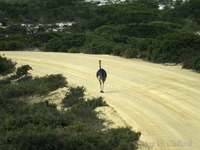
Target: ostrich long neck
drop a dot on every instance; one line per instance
(99, 64)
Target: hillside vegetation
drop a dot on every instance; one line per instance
(41, 126)
(132, 30)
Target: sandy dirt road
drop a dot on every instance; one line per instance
(162, 102)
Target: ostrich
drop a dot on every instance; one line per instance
(101, 75)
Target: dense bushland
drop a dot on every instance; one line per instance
(128, 29)
(175, 48)
(41, 126)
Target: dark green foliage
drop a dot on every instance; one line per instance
(23, 70)
(3, 46)
(25, 78)
(98, 45)
(126, 29)
(16, 29)
(122, 137)
(188, 64)
(40, 86)
(137, 12)
(9, 107)
(15, 42)
(141, 30)
(82, 109)
(64, 43)
(174, 48)
(196, 64)
(42, 126)
(45, 37)
(15, 45)
(38, 118)
(189, 9)
(46, 11)
(78, 142)
(73, 96)
(92, 103)
(84, 112)
(74, 50)
(131, 53)
(42, 141)
(6, 66)
(139, 47)
(118, 50)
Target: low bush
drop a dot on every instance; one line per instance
(77, 142)
(131, 53)
(42, 141)
(73, 96)
(174, 48)
(6, 66)
(3, 46)
(23, 70)
(118, 50)
(15, 45)
(74, 50)
(196, 64)
(66, 42)
(42, 126)
(45, 37)
(122, 137)
(84, 111)
(188, 64)
(98, 45)
(39, 85)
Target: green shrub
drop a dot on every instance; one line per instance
(144, 43)
(187, 64)
(95, 102)
(84, 111)
(16, 29)
(77, 142)
(40, 86)
(73, 96)
(15, 45)
(131, 53)
(64, 43)
(118, 50)
(25, 78)
(98, 45)
(123, 137)
(45, 37)
(196, 64)
(174, 48)
(141, 44)
(42, 105)
(23, 70)
(42, 141)
(53, 45)
(6, 66)
(3, 46)
(10, 106)
(73, 50)
(91, 103)
(77, 127)
(36, 119)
